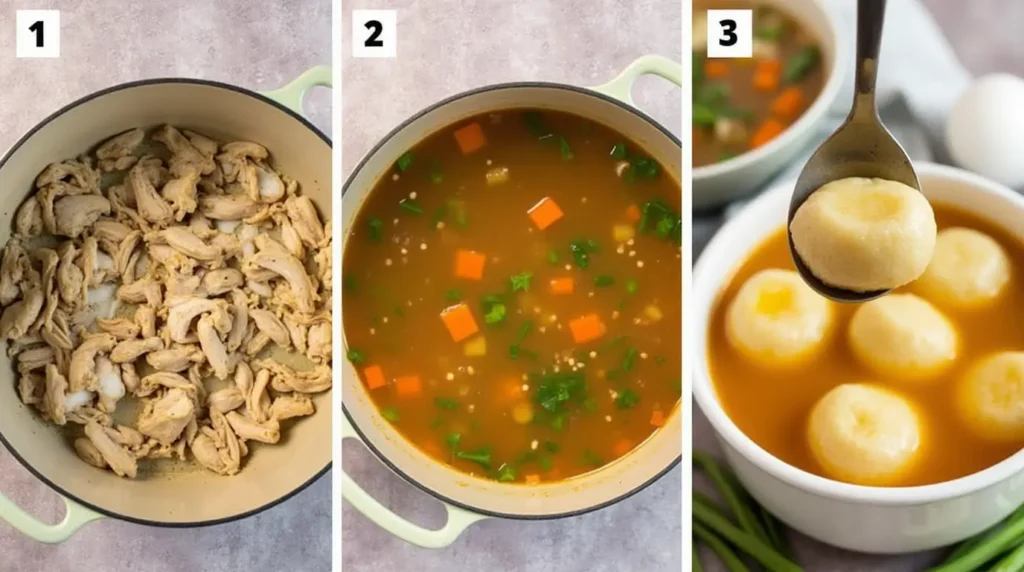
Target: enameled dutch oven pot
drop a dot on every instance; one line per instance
(468, 499)
(189, 498)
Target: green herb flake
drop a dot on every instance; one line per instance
(800, 64)
(590, 404)
(581, 250)
(618, 151)
(521, 282)
(506, 473)
(356, 357)
(452, 295)
(495, 314)
(390, 413)
(545, 463)
(436, 176)
(480, 456)
(558, 422)
(603, 281)
(458, 210)
(553, 257)
(524, 330)
(551, 447)
(626, 399)
(535, 124)
(564, 149)
(446, 403)
(555, 389)
(376, 228)
(404, 162)
(452, 440)
(591, 459)
(632, 286)
(410, 206)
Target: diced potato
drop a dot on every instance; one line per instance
(653, 312)
(522, 413)
(476, 347)
(730, 130)
(497, 176)
(764, 50)
(622, 232)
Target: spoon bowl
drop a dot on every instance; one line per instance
(861, 147)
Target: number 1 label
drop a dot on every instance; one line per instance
(37, 34)
(730, 33)
(374, 34)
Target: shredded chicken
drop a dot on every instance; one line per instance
(196, 289)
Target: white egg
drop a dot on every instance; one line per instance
(985, 130)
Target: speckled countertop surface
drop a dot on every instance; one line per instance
(104, 42)
(448, 46)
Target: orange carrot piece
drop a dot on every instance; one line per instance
(459, 321)
(633, 214)
(771, 66)
(766, 81)
(470, 138)
(788, 103)
(532, 479)
(408, 386)
(432, 448)
(510, 392)
(658, 418)
(545, 213)
(374, 377)
(586, 328)
(622, 446)
(469, 264)
(715, 68)
(562, 285)
(768, 130)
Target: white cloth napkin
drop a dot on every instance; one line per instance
(919, 79)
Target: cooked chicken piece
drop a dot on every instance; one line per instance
(48, 196)
(175, 359)
(213, 347)
(57, 332)
(185, 309)
(271, 325)
(201, 226)
(305, 219)
(286, 379)
(273, 256)
(110, 230)
(82, 370)
(202, 143)
(227, 399)
(257, 403)
(173, 260)
(89, 453)
(84, 176)
(131, 350)
(217, 447)
(145, 317)
(298, 331)
(123, 260)
(319, 350)
(165, 417)
(260, 183)
(267, 432)
(179, 285)
(54, 395)
(74, 214)
(257, 274)
(35, 358)
(217, 282)
(120, 328)
(184, 156)
(234, 156)
(12, 269)
(256, 344)
(156, 173)
(228, 207)
(155, 381)
(288, 406)
(145, 291)
(181, 239)
(126, 436)
(130, 377)
(151, 205)
(70, 279)
(244, 379)
(240, 320)
(121, 145)
(77, 410)
(120, 461)
(182, 192)
(119, 164)
(28, 221)
(30, 388)
(19, 316)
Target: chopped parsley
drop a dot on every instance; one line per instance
(618, 151)
(390, 413)
(452, 295)
(356, 357)
(446, 403)
(632, 286)
(506, 473)
(410, 206)
(405, 161)
(565, 150)
(603, 281)
(376, 228)
(481, 456)
(581, 249)
(626, 399)
(521, 282)
(452, 440)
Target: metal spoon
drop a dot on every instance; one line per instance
(861, 147)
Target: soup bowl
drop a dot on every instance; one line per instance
(466, 498)
(887, 520)
(175, 498)
(719, 183)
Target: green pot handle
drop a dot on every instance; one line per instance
(75, 517)
(458, 519)
(622, 85)
(290, 95)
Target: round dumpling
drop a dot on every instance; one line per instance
(864, 434)
(990, 396)
(864, 234)
(903, 336)
(968, 269)
(776, 319)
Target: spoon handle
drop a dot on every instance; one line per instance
(870, 18)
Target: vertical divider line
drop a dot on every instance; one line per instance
(336, 217)
(688, 325)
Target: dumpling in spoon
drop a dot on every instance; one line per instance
(864, 434)
(969, 269)
(865, 235)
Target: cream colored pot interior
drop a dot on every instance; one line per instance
(606, 485)
(191, 495)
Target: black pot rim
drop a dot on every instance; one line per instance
(10, 153)
(348, 181)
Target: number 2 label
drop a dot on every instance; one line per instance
(38, 33)
(730, 33)
(374, 33)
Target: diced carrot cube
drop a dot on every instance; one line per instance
(715, 68)
(459, 321)
(532, 479)
(769, 66)
(432, 448)
(789, 103)
(374, 377)
(562, 285)
(622, 446)
(469, 264)
(510, 391)
(545, 213)
(586, 328)
(408, 386)
(470, 138)
(766, 81)
(658, 418)
(633, 214)
(768, 130)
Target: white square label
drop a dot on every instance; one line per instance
(374, 34)
(730, 33)
(37, 34)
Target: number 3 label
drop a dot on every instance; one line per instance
(374, 34)
(730, 33)
(38, 34)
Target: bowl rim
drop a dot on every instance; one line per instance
(814, 114)
(705, 294)
(348, 183)
(3, 161)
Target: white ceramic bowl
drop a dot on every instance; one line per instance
(717, 184)
(867, 519)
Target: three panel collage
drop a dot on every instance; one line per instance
(529, 286)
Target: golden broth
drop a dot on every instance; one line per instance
(772, 407)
